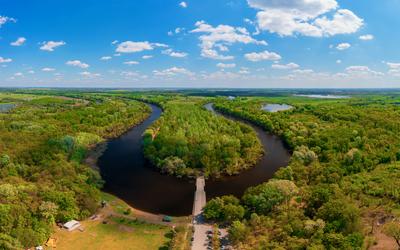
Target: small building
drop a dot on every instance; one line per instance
(72, 225)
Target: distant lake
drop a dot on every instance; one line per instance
(276, 107)
(325, 96)
(5, 107)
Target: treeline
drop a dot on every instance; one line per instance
(188, 140)
(43, 142)
(341, 180)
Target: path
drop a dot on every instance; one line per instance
(200, 227)
(200, 240)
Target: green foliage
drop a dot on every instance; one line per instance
(224, 209)
(344, 154)
(44, 140)
(188, 139)
(264, 198)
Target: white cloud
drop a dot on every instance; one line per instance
(105, 58)
(226, 65)
(129, 74)
(304, 17)
(132, 47)
(131, 63)
(262, 56)
(285, 66)
(394, 68)
(114, 42)
(147, 57)
(393, 65)
(366, 37)
(244, 71)
(5, 60)
(220, 37)
(6, 19)
(19, 42)
(172, 53)
(173, 72)
(18, 74)
(51, 45)
(88, 74)
(362, 71)
(77, 63)
(176, 31)
(343, 46)
(338, 61)
(48, 69)
(31, 72)
(183, 4)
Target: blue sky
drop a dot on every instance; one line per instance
(208, 43)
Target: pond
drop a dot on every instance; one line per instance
(5, 107)
(325, 96)
(129, 176)
(276, 107)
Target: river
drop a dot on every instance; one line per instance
(129, 176)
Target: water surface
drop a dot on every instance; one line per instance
(325, 96)
(129, 176)
(276, 107)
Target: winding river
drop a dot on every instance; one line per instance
(129, 176)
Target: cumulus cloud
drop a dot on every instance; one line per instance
(394, 68)
(343, 46)
(226, 65)
(133, 47)
(285, 66)
(172, 53)
(105, 58)
(262, 56)
(131, 63)
(88, 74)
(77, 63)
(362, 71)
(147, 57)
(6, 19)
(5, 60)
(305, 17)
(51, 45)
(19, 42)
(173, 72)
(366, 37)
(219, 37)
(183, 4)
(48, 69)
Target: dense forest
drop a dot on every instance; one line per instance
(43, 141)
(340, 190)
(342, 180)
(188, 140)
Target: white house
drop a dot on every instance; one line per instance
(72, 225)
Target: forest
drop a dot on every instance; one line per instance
(343, 177)
(340, 190)
(43, 142)
(188, 140)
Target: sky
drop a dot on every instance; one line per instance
(200, 44)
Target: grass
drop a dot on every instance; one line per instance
(123, 231)
(116, 234)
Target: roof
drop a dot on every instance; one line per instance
(71, 224)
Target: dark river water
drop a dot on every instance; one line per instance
(130, 177)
